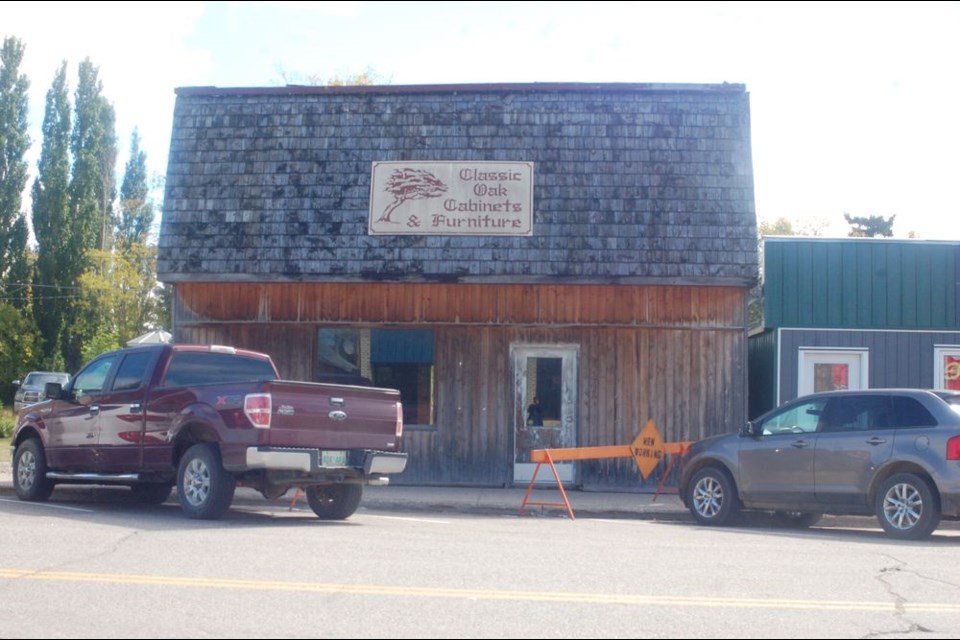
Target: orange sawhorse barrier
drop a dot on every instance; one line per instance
(550, 456)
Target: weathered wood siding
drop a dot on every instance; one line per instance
(676, 355)
(378, 303)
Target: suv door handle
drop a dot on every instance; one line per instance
(876, 440)
(800, 444)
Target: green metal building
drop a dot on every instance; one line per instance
(855, 313)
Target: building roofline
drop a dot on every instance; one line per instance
(819, 240)
(620, 87)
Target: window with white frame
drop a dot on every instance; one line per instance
(946, 373)
(832, 369)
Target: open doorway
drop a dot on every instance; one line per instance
(545, 382)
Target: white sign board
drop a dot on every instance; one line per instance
(452, 198)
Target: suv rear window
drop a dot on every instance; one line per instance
(189, 368)
(911, 413)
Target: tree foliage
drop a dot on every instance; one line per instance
(51, 198)
(136, 208)
(92, 193)
(91, 284)
(869, 226)
(14, 145)
(369, 77)
(20, 348)
(119, 294)
(93, 183)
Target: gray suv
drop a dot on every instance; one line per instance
(894, 453)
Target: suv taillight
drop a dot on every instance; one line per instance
(258, 408)
(399, 419)
(953, 448)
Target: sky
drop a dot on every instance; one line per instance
(854, 105)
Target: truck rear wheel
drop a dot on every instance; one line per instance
(204, 488)
(334, 501)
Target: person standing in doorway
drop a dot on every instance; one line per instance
(535, 413)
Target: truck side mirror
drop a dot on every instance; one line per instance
(52, 390)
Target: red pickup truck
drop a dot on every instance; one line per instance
(205, 419)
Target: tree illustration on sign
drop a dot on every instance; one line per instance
(410, 184)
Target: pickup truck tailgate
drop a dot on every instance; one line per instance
(330, 416)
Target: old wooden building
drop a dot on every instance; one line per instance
(477, 247)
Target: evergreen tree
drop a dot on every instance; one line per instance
(136, 209)
(14, 144)
(51, 200)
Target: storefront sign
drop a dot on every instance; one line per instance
(452, 198)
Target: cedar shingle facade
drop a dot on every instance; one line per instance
(643, 249)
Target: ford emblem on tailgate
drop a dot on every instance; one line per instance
(338, 415)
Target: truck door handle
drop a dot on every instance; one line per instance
(339, 416)
(876, 440)
(800, 444)
(94, 409)
(135, 407)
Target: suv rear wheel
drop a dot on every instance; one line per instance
(907, 507)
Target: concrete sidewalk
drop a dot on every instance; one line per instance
(430, 499)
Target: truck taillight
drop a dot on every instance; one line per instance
(258, 407)
(953, 448)
(399, 419)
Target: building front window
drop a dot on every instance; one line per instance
(947, 374)
(399, 359)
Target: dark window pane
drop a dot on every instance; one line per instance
(401, 345)
(132, 371)
(199, 367)
(911, 413)
(403, 359)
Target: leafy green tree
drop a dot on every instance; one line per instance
(92, 192)
(20, 349)
(869, 226)
(50, 213)
(120, 294)
(136, 208)
(14, 145)
(94, 147)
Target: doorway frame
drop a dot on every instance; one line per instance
(569, 355)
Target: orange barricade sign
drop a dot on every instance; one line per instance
(647, 450)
